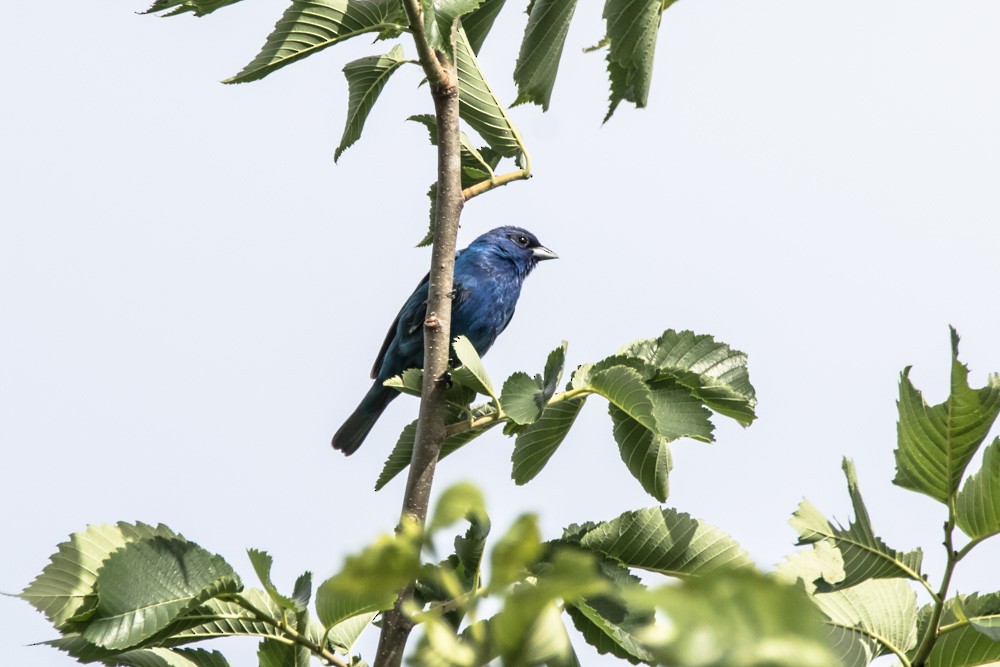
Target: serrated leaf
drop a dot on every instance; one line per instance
(555, 365)
(65, 587)
(472, 157)
(541, 50)
(865, 555)
(678, 413)
(964, 647)
(146, 585)
(77, 647)
(409, 382)
(479, 105)
(262, 562)
(737, 619)
(646, 455)
(370, 581)
(624, 387)
(309, 26)
(471, 373)
(469, 547)
(610, 623)
(221, 618)
(344, 635)
(479, 23)
(439, 20)
(666, 541)
(522, 398)
(978, 503)
(536, 444)
(632, 28)
(713, 371)
(936, 443)
(366, 77)
(272, 653)
(197, 7)
(824, 562)
(880, 609)
(402, 452)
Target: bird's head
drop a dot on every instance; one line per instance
(516, 245)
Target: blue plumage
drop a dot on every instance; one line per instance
(488, 278)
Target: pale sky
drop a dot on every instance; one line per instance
(192, 293)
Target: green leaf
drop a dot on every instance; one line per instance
(611, 623)
(937, 442)
(666, 541)
(964, 647)
(471, 373)
(713, 371)
(881, 613)
(409, 382)
(163, 657)
(555, 365)
(197, 7)
(824, 562)
(865, 556)
(469, 547)
(371, 580)
(344, 635)
(978, 503)
(65, 588)
(528, 629)
(678, 413)
(272, 653)
(517, 550)
(309, 26)
(366, 77)
(624, 387)
(541, 50)
(399, 457)
(479, 105)
(632, 27)
(146, 585)
(439, 21)
(458, 501)
(77, 647)
(646, 455)
(736, 619)
(536, 444)
(472, 158)
(479, 23)
(262, 562)
(522, 398)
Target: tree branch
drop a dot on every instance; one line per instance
(443, 78)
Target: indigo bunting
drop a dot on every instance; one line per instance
(488, 278)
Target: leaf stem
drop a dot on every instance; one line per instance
(291, 635)
(932, 632)
(493, 183)
(501, 416)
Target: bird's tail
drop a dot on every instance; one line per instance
(354, 431)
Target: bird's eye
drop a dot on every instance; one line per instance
(522, 241)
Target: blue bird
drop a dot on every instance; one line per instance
(488, 278)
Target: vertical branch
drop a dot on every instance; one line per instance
(443, 78)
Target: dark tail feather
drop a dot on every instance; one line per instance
(354, 431)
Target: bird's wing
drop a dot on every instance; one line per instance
(408, 312)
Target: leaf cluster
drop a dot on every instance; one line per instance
(658, 390)
(456, 29)
(136, 595)
(864, 587)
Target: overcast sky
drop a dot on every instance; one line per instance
(192, 293)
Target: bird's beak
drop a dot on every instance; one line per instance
(541, 253)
